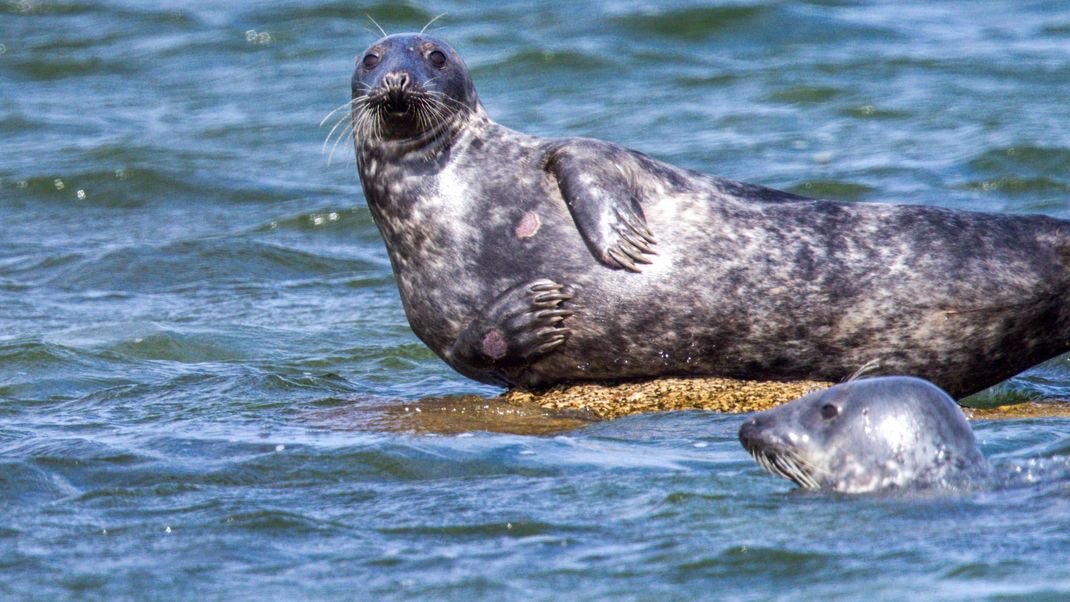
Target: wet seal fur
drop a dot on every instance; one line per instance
(530, 262)
(871, 434)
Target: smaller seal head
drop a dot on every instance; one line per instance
(867, 435)
(407, 86)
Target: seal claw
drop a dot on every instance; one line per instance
(550, 299)
(622, 260)
(633, 253)
(540, 286)
(555, 315)
(549, 346)
(638, 241)
(604, 202)
(519, 326)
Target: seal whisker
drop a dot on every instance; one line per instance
(869, 366)
(372, 118)
(445, 98)
(366, 123)
(341, 120)
(436, 18)
(381, 30)
(349, 118)
(379, 110)
(798, 474)
(790, 470)
(345, 133)
(808, 467)
(441, 107)
(345, 105)
(430, 115)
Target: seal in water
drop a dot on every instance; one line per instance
(529, 261)
(867, 435)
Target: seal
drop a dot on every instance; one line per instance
(867, 435)
(525, 261)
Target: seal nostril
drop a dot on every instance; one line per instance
(396, 80)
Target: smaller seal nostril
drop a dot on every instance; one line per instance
(748, 432)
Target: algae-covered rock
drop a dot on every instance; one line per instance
(565, 408)
(607, 401)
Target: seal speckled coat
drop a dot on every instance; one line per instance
(530, 261)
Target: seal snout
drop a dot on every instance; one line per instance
(752, 433)
(396, 87)
(748, 433)
(776, 455)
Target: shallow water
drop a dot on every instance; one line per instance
(192, 301)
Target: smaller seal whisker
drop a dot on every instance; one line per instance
(869, 366)
(787, 464)
(810, 467)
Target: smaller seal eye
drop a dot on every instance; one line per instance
(829, 411)
(370, 61)
(437, 58)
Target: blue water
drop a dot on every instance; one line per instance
(196, 308)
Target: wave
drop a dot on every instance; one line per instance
(1025, 161)
(832, 189)
(395, 17)
(696, 22)
(186, 264)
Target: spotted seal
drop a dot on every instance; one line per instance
(529, 261)
(871, 434)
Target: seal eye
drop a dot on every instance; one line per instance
(829, 411)
(437, 58)
(370, 61)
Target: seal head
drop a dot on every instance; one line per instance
(867, 435)
(407, 86)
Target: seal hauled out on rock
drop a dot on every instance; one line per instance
(529, 261)
(867, 435)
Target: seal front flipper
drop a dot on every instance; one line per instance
(516, 328)
(597, 183)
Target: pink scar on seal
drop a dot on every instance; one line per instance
(494, 345)
(528, 225)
